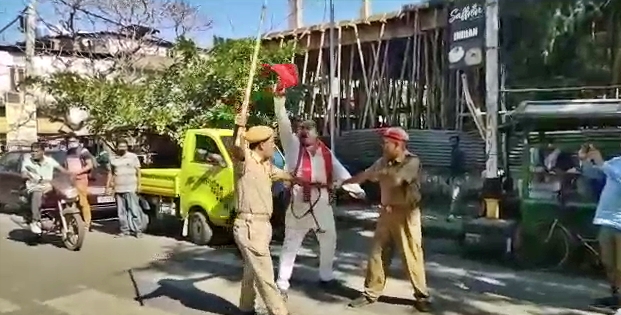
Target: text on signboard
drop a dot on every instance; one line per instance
(467, 13)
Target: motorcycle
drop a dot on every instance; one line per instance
(60, 214)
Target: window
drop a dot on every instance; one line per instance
(207, 151)
(17, 75)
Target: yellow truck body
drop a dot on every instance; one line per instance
(201, 191)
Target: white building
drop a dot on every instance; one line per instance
(134, 48)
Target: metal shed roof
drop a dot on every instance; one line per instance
(577, 109)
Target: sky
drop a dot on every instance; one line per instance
(230, 18)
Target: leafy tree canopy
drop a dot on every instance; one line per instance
(552, 43)
(200, 89)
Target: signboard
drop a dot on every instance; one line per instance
(466, 24)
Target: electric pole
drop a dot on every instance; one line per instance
(30, 32)
(492, 26)
(22, 117)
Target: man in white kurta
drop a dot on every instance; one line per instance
(303, 147)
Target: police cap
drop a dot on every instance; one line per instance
(396, 133)
(258, 133)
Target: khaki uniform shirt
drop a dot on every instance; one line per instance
(254, 184)
(398, 180)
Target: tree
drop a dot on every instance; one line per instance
(556, 43)
(199, 89)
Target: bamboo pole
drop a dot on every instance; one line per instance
(427, 82)
(364, 70)
(317, 74)
(350, 88)
(377, 51)
(404, 63)
(302, 104)
(242, 116)
(418, 79)
(384, 85)
(339, 52)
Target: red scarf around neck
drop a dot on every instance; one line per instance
(304, 163)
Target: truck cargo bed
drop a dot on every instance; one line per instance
(160, 182)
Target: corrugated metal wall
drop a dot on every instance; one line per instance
(358, 149)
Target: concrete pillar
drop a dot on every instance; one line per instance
(365, 9)
(296, 14)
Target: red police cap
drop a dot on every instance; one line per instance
(395, 133)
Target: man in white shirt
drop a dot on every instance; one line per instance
(311, 208)
(38, 170)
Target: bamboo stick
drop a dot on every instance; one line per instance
(373, 79)
(363, 67)
(339, 60)
(243, 113)
(302, 104)
(350, 89)
(317, 74)
(404, 63)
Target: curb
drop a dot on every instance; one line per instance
(442, 232)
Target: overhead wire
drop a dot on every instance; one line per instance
(6, 27)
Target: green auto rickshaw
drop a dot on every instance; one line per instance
(556, 201)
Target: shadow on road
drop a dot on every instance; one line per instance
(192, 297)
(23, 235)
(458, 285)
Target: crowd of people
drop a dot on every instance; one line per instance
(314, 172)
(123, 170)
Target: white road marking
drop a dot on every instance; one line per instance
(7, 306)
(93, 302)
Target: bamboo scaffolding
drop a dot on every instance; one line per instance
(398, 81)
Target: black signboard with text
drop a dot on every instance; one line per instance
(466, 25)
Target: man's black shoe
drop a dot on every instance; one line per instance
(607, 304)
(422, 306)
(360, 302)
(331, 284)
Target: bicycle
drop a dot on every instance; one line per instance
(549, 248)
(548, 245)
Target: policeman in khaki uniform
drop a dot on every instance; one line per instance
(399, 223)
(252, 229)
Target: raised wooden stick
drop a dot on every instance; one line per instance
(242, 116)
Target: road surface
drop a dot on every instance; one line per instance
(163, 276)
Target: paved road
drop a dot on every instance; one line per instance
(174, 277)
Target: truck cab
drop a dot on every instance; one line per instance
(200, 192)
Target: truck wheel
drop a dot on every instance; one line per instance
(199, 231)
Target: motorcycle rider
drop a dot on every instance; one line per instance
(38, 170)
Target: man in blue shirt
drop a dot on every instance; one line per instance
(608, 217)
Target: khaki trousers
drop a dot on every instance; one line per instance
(610, 249)
(84, 205)
(400, 229)
(253, 236)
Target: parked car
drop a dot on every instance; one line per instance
(12, 184)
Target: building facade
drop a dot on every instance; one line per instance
(22, 121)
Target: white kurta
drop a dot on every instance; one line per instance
(297, 226)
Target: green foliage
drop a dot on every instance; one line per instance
(201, 89)
(553, 43)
